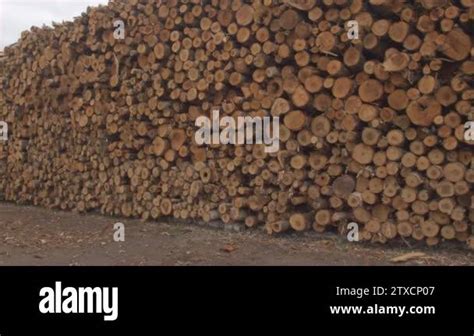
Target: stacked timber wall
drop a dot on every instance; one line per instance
(372, 120)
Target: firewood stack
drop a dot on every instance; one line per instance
(372, 129)
(3, 147)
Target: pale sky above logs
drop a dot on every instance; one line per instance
(20, 15)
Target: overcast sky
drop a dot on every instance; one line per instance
(19, 15)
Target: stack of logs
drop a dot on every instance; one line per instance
(372, 128)
(3, 147)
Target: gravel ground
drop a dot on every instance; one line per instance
(36, 236)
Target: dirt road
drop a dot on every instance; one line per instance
(35, 236)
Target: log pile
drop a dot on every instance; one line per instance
(372, 129)
(3, 143)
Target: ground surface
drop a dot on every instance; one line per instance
(34, 236)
